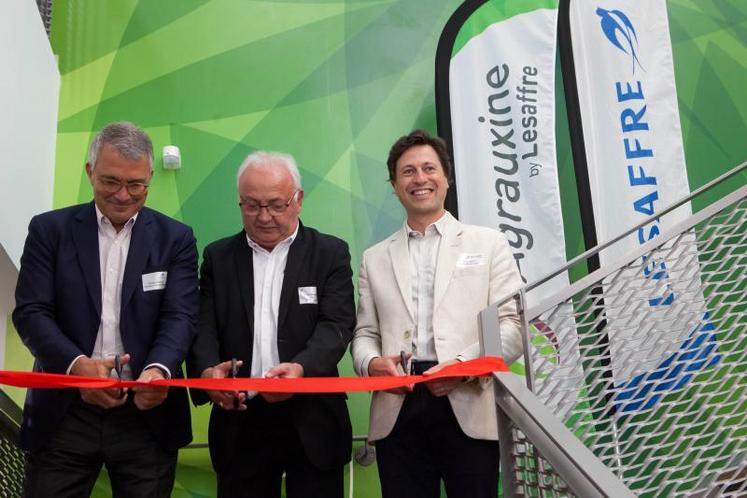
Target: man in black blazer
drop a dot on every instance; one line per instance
(278, 296)
(98, 280)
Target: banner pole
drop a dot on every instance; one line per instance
(575, 129)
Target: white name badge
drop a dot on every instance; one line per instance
(307, 295)
(154, 281)
(470, 260)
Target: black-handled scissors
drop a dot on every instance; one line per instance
(118, 371)
(403, 361)
(234, 373)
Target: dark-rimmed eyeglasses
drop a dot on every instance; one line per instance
(114, 185)
(274, 208)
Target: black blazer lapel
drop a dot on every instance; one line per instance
(137, 256)
(245, 273)
(86, 240)
(293, 266)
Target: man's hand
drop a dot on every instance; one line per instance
(282, 371)
(147, 397)
(224, 399)
(442, 387)
(88, 367)
(387, 365)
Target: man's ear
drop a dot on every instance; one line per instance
(299, 197)
(89, 171)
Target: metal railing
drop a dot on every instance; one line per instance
(45, 11)
(643, 361)
(11, 456)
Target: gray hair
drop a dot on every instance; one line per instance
(126, 138)
(271, 160)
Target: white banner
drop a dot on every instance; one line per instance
(502, 100)
(502, 95)
(628, 103)
(631, 122)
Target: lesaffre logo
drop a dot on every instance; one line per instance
(620, 32)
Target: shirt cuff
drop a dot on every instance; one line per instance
(166, 372)
(470, 352)
(365, 363)
(72, 363)
(469, 378)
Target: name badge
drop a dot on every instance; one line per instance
(469, 260)
(154, 281)
(307, 295)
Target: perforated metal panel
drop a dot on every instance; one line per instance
(11, 457)
(645, 363)
(535, 474)
(11, 467)
(45, 10)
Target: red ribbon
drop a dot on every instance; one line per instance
(474, 368)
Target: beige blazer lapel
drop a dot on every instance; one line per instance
(448, 252)
(399, 256)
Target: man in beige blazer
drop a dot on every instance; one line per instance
(420, 292)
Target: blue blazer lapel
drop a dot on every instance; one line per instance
(141, 242)
(245, 269)
(86, 240)
(293, 265)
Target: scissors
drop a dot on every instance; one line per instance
(234, 373)
(403, 361)
(118, 370)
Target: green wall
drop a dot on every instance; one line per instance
(334, 83)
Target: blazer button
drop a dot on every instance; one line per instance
(407, 334)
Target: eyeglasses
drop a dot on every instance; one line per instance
(113, 185)
(274, 208)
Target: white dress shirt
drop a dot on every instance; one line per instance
(423, 256)
(423, 249)
(113, 250)
(269, 270)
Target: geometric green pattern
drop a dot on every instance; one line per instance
(332, 82)
(490, 13)
(327, 81)
(709, 43)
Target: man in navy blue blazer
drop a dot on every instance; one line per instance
(107, 288)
